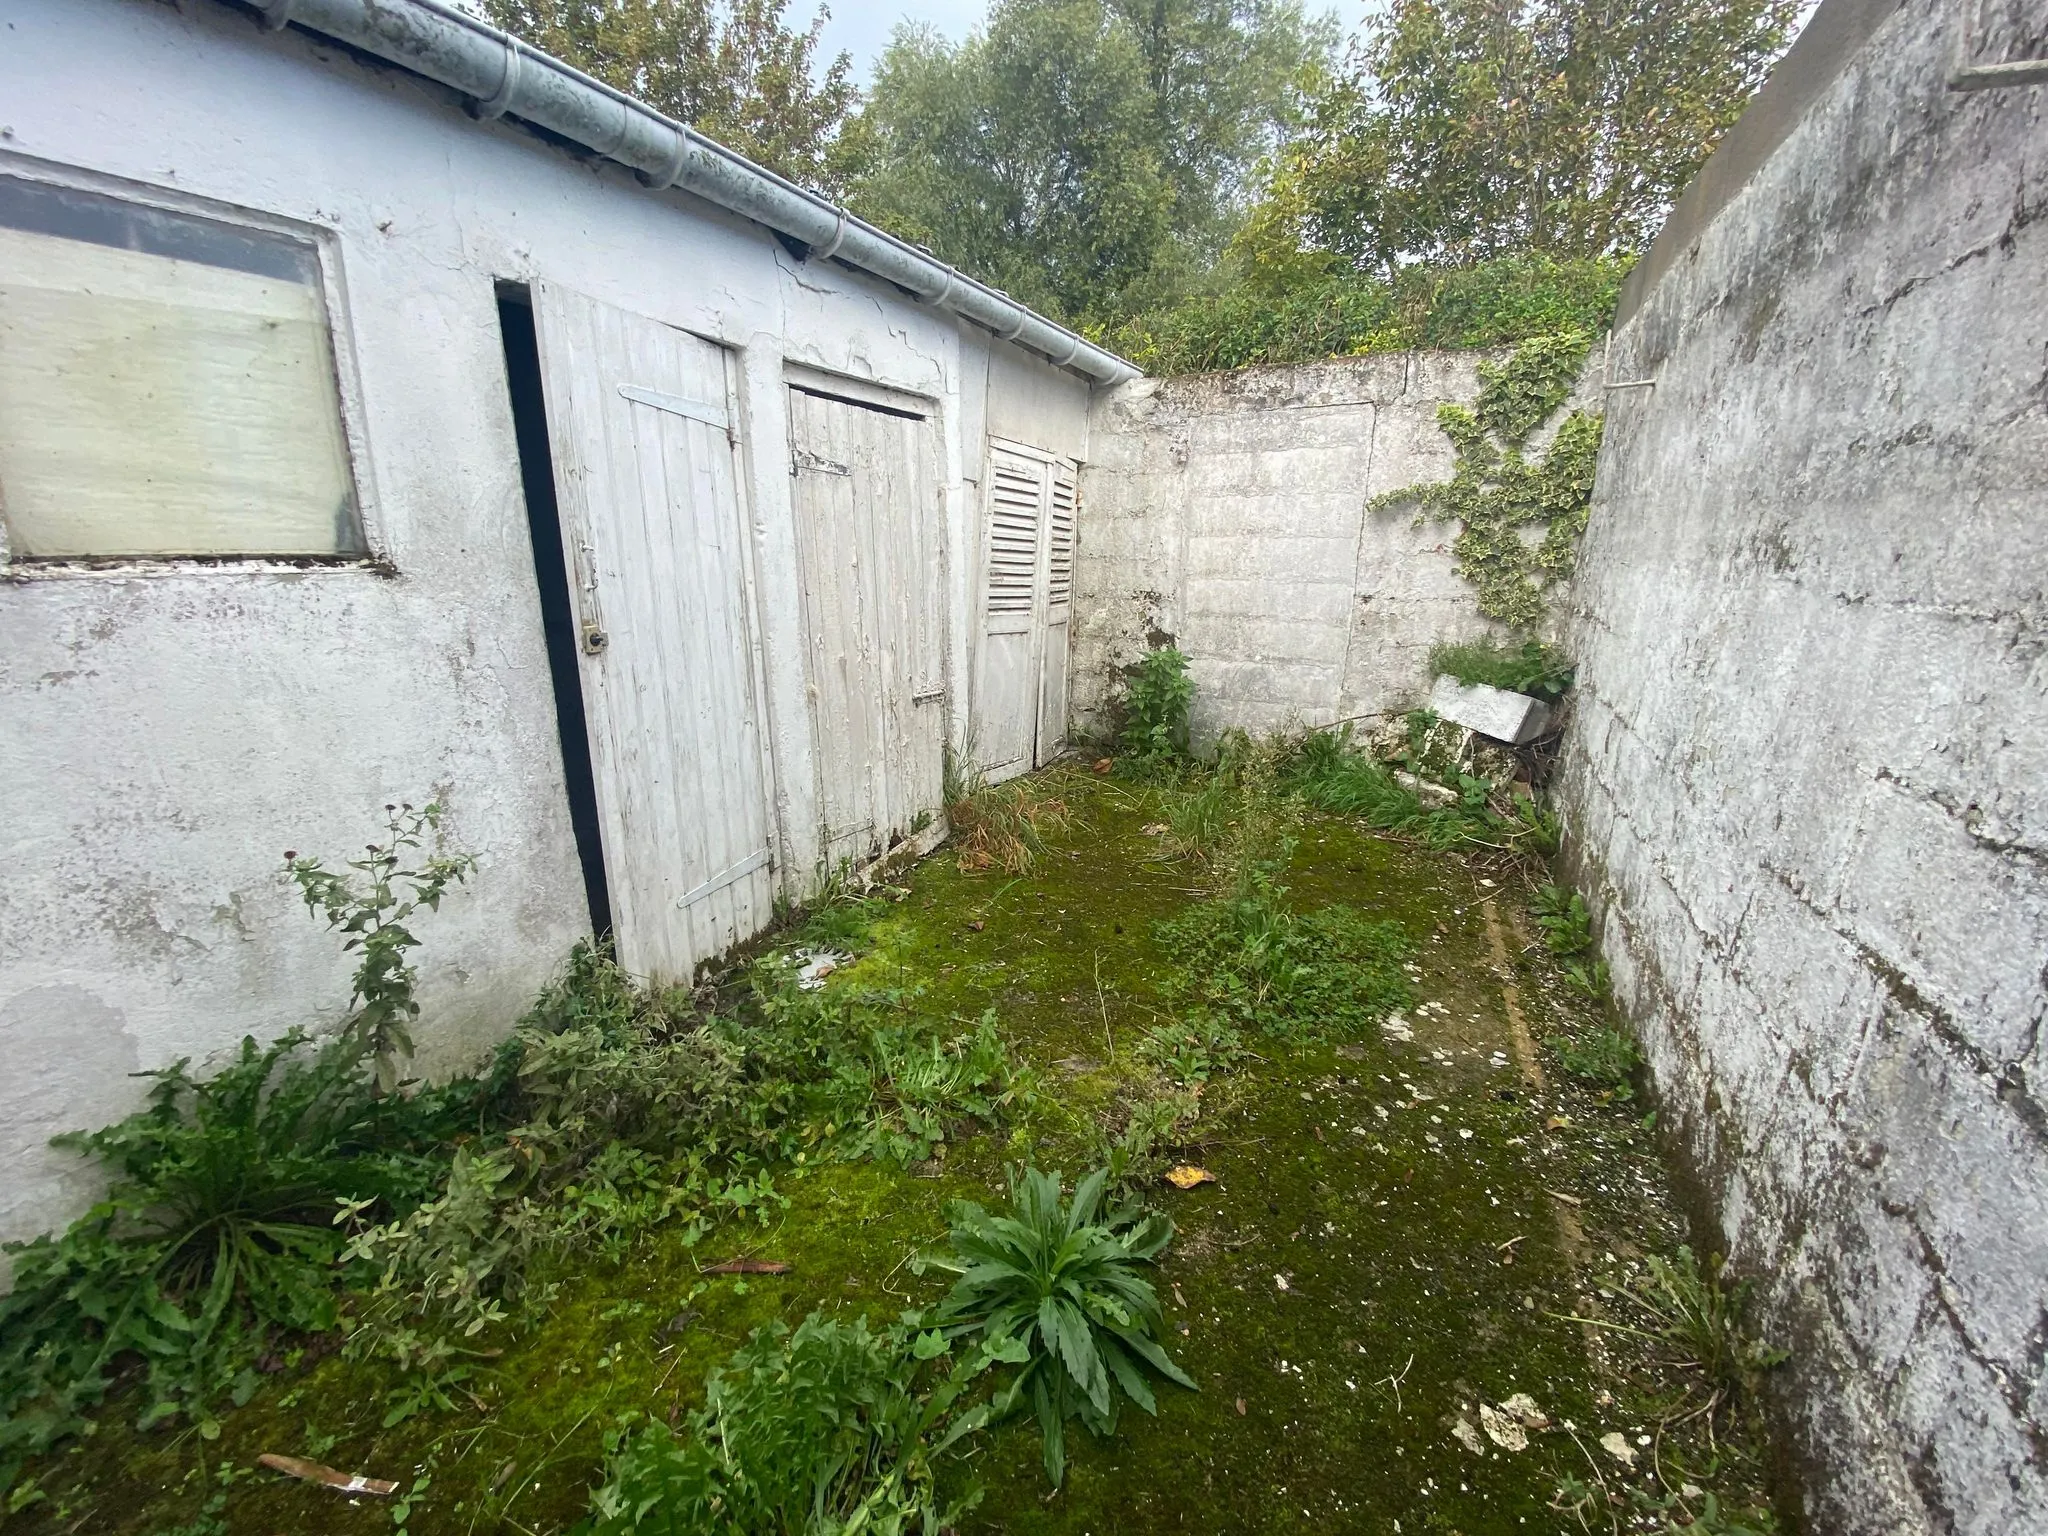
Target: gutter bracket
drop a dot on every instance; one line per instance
(494, 105)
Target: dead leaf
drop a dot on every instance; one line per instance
(1558, 1123)
(326, 1476)
(977, 925)
(1468, 1437)
(1187, 1176)
(746, 1267)
(1104, 764)
(1280, 1281)
(1156, 829)
(1558, 1194)
(1240, 1407)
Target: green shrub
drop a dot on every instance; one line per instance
(374, 907)
(830, 1430)
(1156, 708)
(1534, 668)
(1489, 304)
(1060, 1288)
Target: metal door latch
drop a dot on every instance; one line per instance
(594, 640)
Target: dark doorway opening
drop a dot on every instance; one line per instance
(551, 570)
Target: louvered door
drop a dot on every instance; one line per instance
(1006, 695)
(1063, 485)
(1020, 713)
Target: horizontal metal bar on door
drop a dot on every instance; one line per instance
(802, 459)
(723, 878)
(676, 405)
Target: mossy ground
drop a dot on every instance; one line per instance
(1397, 1233)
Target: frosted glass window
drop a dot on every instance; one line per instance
(167, 386)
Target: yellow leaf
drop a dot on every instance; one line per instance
(1187, 1176)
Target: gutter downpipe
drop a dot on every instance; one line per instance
(502, 75)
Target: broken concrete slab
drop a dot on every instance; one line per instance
(1510, 717)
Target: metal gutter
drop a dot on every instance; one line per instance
(503, 76)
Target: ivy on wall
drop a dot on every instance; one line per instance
(1500, 494)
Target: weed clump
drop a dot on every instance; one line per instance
(640, 1112)
(1330, 771)
(303, 1188)
(832, 1427)
(216, 1230)
(1004, 826)
(1155, 733)
(1566, 924)
(1539, 670)
(1247, 960)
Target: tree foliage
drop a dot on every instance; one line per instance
(731, 68)
(1461, 130)
(1352, 314)
(1076, 151)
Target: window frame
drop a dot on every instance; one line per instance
(325, 245)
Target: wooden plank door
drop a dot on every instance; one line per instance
(640, 425)
(1006, 702)
(873, 563)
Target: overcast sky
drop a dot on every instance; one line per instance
(862, 27)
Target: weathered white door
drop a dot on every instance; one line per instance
(1020, 711)
(874, 573)
(1062, 493)
(640, 424)
(1006, 686)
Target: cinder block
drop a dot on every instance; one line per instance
(1510, 717)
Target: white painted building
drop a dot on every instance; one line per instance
(389, 412)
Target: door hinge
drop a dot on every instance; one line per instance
(927, 695)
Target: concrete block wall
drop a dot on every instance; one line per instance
(1807, 780)
(1226, 513)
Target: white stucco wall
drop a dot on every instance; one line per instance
(1226, 513)
(164, 736)
(1806, 778)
